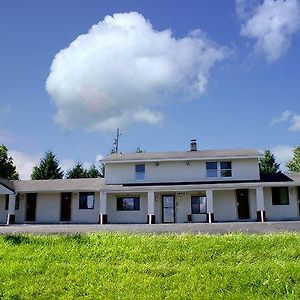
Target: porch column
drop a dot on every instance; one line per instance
(103, 208)
(209, 206)
(151, 213)
(11, 217)
(260, 205)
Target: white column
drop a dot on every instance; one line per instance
(11, 209)
(151, 212)
(103, 207)
(260, 203)
(210, 205)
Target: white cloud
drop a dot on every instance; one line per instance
(98, 158)
(287, 116)
(284, 117)
(24, 162)
(122, 69)
(283, 153)
(271, 24)
(295, 123)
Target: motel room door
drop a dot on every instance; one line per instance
(242, 202)
(30, 207)
(65, 207)
(168, 209)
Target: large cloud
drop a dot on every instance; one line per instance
(123, 70)
(271, 23)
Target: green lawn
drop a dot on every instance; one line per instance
(120, 266)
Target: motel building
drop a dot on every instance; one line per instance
(159, 187)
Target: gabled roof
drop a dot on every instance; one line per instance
(58, 185)
(182, 155)
(8, 184)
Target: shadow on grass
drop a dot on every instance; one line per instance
(16, 239)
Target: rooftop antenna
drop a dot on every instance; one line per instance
(116, 143)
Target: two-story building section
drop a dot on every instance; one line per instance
(159, 187)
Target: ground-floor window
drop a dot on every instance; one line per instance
(128, 203)
(6, 201)
(86, 200)
(198, 204)
(17, 203)
(280, 196)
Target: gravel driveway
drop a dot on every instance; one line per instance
(215, 228)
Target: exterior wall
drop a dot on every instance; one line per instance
(242, 169)
(48, 208)
(3, 213)
(135, 216)
(281, 212)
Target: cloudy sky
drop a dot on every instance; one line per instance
(71, 72)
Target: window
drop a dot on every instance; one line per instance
(298, 192)
(139, 172)
(86, 200)
(128, 203)
(212, 169)
(226, 170)
(6, 202)
(280, 196)
(198, 204)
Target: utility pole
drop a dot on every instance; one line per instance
(117, 140)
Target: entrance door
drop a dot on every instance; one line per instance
(168, 209)
(30, 207)
(243, 204)
(65, 207)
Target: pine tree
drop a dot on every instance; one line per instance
(78, 171)
(267, 164)
(294, 164)
(7, 168)
(48, 168)
(93, 172)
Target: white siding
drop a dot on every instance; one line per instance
(225, 208)
(281, 212)
(135, 216)
(242, 169)
(48, 208)
(3, 213)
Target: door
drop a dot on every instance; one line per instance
(65, 207)
(168, 209)
(243, 204)
(30, 207)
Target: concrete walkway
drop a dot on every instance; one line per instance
(215, 228)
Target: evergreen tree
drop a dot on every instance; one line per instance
(102, 170)
(267, 164)
(294, 164)
(7, 168)
(48, 168)
(93, 172)
(78, 171)
(139, 150)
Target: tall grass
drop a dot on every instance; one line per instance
(124, 266)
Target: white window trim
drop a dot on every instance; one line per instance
(219, 170)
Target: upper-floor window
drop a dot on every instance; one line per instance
(198, 204)
(140, 172)
(212, 169)
(280, 196)
(226, 170)
(86, 200)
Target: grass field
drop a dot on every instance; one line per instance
(120, 266)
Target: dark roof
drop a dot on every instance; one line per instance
(8, 184)
(278, 177)
(183, 155)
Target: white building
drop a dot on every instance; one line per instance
(166, 187)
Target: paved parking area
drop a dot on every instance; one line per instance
(215, 228)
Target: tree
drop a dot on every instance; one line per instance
(78, 171)
(48, 168)
(93, 172)
(294, 164)
(7, 168)
(139, 150)
(267, 164)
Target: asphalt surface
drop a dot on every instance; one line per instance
(215, 228)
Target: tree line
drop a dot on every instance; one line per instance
(49, 166)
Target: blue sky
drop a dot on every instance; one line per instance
(247, 94)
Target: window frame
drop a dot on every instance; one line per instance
(136, 203)
(80, 200)
(140, 175)
(275, 192)
(199, 211)
(225, 169)
(212, 169)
